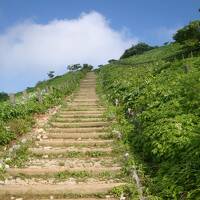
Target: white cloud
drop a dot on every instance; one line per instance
(29, 50)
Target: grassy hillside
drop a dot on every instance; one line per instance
(17, 119)
(155, 54)
(161, 104)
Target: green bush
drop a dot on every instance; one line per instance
(19, 118)
(5, 135)
(189, 35)
(161, 102)
(20, 126)
(137, 49)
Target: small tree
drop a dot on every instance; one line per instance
(88, 67)
(3, 96)
(74, 67)
(51, 74)
(137, 49)
(112, 61)
(189, 36)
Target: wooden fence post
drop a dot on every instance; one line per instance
(47, 89)
(51, 89)
(25, 95)
(12, 99)
(186, 68)
(39, 96)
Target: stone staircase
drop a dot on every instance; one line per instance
(73, 159)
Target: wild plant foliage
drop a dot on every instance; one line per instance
(161, 101)
(17, 119)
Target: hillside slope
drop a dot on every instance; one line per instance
(73, 156)
(17, 118)
(161, 104)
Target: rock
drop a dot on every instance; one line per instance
(7, 159)
(7, 166)
(44, 137)
(38, 137)
(126, 155)
(40, 130)
(122, 197)
(45, 156)
(1, 166)
(24, 140)
(16, 146)
(47, 148)
(2, 183)
(10, 150)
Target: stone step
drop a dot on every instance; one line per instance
(83, 104)
(70, 119)
(104, 161)
(84, 112)
(77, 135)
(81, 108)
(76, 115)
(76, 130)
(108, 198)
(55, 151)
(69, 142)
(56, 189)
(30, 171)
(86, 94)
(89, 84)
(86, 100)
(78, 124)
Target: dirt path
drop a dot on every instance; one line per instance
(71, 159)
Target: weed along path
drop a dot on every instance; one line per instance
(73, 157)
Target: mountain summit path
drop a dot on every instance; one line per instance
(72, 158)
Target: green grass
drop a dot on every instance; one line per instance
(162, 128)
(154, 55)
(20, 156)
(18, 119)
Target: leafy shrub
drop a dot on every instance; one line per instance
(3, 96)
(5, 135)
(20, 126)
(189, 35)
(161, 102)
(19, 117)
(137, 49)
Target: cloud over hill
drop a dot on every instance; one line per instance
(29, 50)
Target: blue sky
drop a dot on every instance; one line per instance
(118, 24)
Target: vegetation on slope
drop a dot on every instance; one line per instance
(160, 101)
(17, 119)
(186, 44)
(163, 52)
(189, 36)
(3, 96)
(137, 49)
